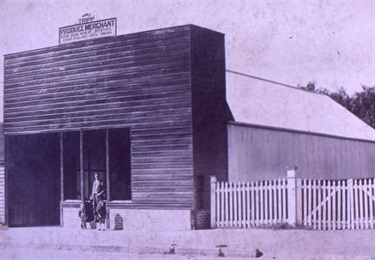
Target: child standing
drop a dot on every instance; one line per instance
(82, 214)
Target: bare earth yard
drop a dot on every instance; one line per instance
(63, 243)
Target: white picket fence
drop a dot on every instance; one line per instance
(338, 204)
(317, 204)
(251, 204)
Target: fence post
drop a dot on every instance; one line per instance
(294, 198)
(213, 181)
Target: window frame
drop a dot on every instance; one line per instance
(107, 180)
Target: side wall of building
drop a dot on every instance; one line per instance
(257, 153)
(209, 107)
(210, 114)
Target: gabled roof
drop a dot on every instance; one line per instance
(263, 103)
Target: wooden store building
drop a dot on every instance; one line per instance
(150, 113)
(147, 111)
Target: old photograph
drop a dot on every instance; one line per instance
(187, 129)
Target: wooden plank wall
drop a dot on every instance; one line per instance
(141, 81)
(210, 111)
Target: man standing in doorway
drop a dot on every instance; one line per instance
(97, 191)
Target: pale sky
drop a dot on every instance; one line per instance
(293, 42)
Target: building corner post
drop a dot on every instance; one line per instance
(213, 182)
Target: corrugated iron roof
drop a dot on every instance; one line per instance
(253, 101)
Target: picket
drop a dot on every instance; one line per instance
(220, 210)
(274, 189)
(256, 204)
(357, 203)
(366, 205)
(284, 201)
(371, 195)
(345, 212)
(253, 211)
(310, 203)
(243, 202)
(305, 205)
(278, 202)
(362, 202)
(250, 211)
(331, 208)
(339, 216)
(342, 203)
(219, 205)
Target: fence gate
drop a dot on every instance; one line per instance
(338, 204)
(316, 204)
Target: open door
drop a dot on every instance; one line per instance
(32, 164)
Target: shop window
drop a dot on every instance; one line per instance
(119, 164)
(96, 151)
(94, 158)
(71, 167)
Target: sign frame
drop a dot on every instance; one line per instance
(83, 26)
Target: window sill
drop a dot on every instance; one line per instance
(77, 203)
(118, 203)
(70, 203)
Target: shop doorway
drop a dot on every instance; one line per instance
(33, 174)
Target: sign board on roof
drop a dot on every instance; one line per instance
(88, 29)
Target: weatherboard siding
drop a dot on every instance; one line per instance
(56, 89)
(141, 81)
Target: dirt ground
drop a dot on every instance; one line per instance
(62, 243)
